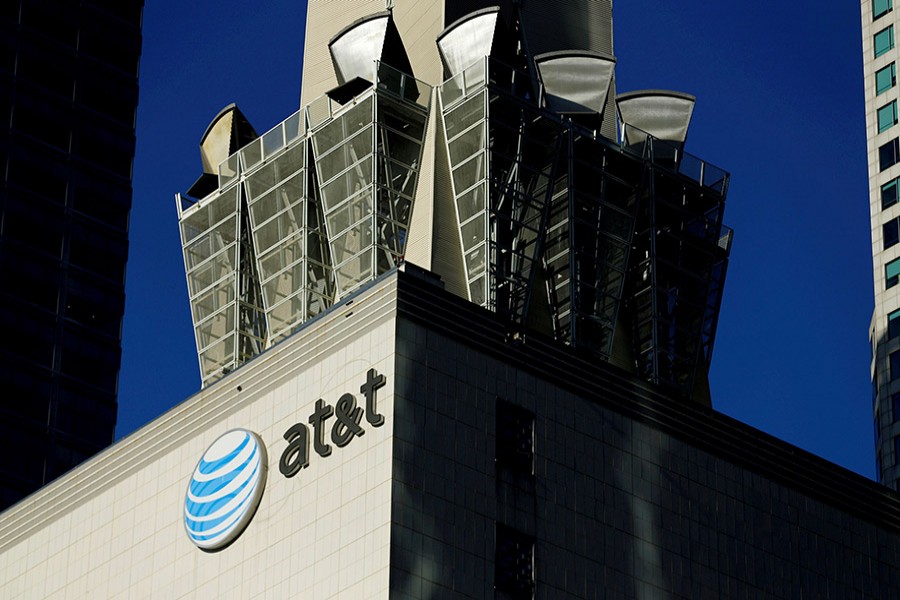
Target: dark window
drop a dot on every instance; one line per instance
(897, 450)
(514, 564)
(888, 154)
(515, 438)
(889, 195)
(893, 324)
(895, 405)
(891, 233)
(895, 365)
(892, 273)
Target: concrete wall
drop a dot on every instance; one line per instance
(113, 528)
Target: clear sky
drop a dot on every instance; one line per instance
(779, 105)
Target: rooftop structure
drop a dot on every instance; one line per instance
(519, 177)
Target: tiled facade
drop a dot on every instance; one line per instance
(599, 487)
(879, 21)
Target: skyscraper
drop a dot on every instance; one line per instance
(479, 428)
(68, 94)
(880, 59)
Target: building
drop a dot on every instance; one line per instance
(525, 414)
(458, 463)
(883, 144)
(68, 93)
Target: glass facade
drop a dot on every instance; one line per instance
(301, 217)
(68, 93)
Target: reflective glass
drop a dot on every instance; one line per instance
(881, 7)
(885, 78)
(887, 116)
(884, 40)
(892, 273)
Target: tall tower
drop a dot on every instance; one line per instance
(68, 94)
(880, 57)
(462, 138)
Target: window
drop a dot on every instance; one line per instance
(892, 273)
(888, 154)
(891, 233)
(893, 324)
(885, 78)
(515, 438)
(514, 564)
(884, 40)
(881, 8)
(889, 194)
(895, 400)
(887, 116)
(897, 451)
(895, 365)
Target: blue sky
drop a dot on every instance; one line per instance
(779, 105)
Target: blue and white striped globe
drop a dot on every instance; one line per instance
(225, 489)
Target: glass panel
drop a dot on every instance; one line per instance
(891, 233)
(216, 327)
(885, 78)
(346, 154)
(356, 239)
(464, 116)
(251, 154)
(467, 144)
(473, 233)
(215, 299)
(887, 154)
(887, 116)
(889, 195)
(286, 253)
(347, 184)
(273, 141)
(470, 173)
(228, 170)
(288, 194)
(343, 127)
(215, 241)
(892, 273)
(353, 211)
(880, 7)
(283, 285)
(470, 203)
(277, 229)
(893, 324)
(354, 272)
(293, 127)
(212, 270)
(884, 40)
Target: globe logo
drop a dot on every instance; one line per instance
(225, 489)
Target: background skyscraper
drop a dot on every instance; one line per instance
(68, 94)
(880, 58)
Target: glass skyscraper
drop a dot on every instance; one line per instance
(880, 58)
(68, 94)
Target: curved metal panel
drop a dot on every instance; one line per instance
(356, 49)
(576, 81)
(663, 114)
(227, 132)
(468, 39)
